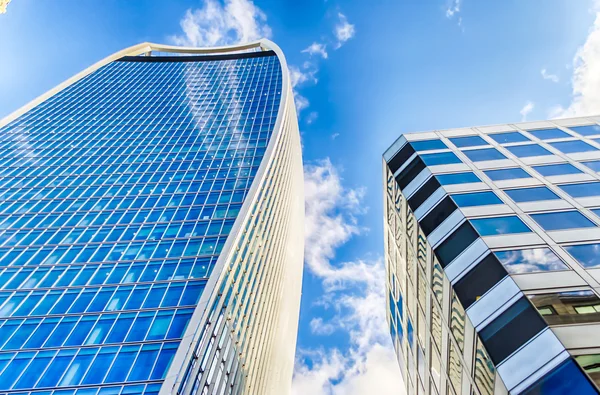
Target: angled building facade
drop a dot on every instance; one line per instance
(151, 227)
(492, 246)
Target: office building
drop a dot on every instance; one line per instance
(151, 215)
(492, 247)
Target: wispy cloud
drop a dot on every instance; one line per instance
(216, 23)
(299, 77)
(343, 30)
(548, 76)
(312, 116)
(526, 110)
(317, 49)
(453, 8)
(335, 136)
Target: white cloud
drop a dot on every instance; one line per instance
(216, 23)
(299, 77)
(547, 76)
(335, 136)
(319, 327)
(453, 9)
(316, 49)
(526, 110)
(585, 98)
(312, 116)
(343, 30)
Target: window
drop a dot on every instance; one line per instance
(479, 155)
(424, 192)
(479, 280)
(511, 329)
(591, 364)
(455, 244)
(530, 261)
(509, 137)
(547, 134)
(586, 130)
(427, 145)
(468, 141)
(586, 189)
(507, 174)
(410, 172)
(593, 164)
(499, 225)
(523, 195)
(562, 220)
(571, 147)
(436, 216)
(457, 178)
(570, 307)
(567, 378)
(556, 170)
(524, 151)
(402, 156)
(484, 370)
(476, 199)
(442, 158)
(588, 255)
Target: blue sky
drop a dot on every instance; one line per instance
(365, 71)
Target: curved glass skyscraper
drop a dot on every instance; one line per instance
(151, 227)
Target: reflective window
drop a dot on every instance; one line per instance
(569, 307)
(442, 158)
(588, 255)
(586, 189)
(455, 244)
(511, 329)
(423, 193)
(427, 145)
(436, 216)
(468, 141)
(570, 147)
(567, 378)
(410, 172)
(508, 137)
(476, 199)
(507, 174)
(530, 261)
(591, 365)
(547, 134)
(479, 155)
(457, 178)
(481, 278)
(400, 157)
(524, 151)
(499, 225)
(522, 195)
(593, 164)
(556, 170)
(455, 368)
(562, 220)
(484, 370)
(586, 130)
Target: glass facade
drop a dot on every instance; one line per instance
(118, 194)
(510, 248)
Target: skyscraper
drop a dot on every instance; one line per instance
(492, 245)
(151, 227)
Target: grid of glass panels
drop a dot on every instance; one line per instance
(116, 196)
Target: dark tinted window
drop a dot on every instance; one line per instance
(456, 243)
(423, 193)
(563, 220)
(593, 164)
(442, 158)
(546, 134)
(586, 130)
(570, 147)
(476, 199)
(479, 155)
(509, 331)
(468, 141)
(479, 280)
(585, 189)
(556, 170)
(507, 174)
(567, 378)
(426, 145)
(524, 151)
(457, 178)
(402, 156)
(410, 172)
(509, 137)
(499, 225)
(436, 216)
(531, 194)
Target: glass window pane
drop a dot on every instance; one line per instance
(556, 170)
(499, 225)
(426, 145)
(479, 155)
(546, 134)
(485, 372)
(570, 147)
(468, 141)
(588, 255)
(562, 220)
(586, 130)
(455, 244)
(481, 278)
(423, 193)
(531, 194)
(457, 178)
(436, 216)
(530, 261)
(476, 199)
(442, 158)
(524, 151)
(571, 307)
(507, 174)
(585, 189)
(591, 365)
(593, 164)
(508, 137)
(567, 378)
